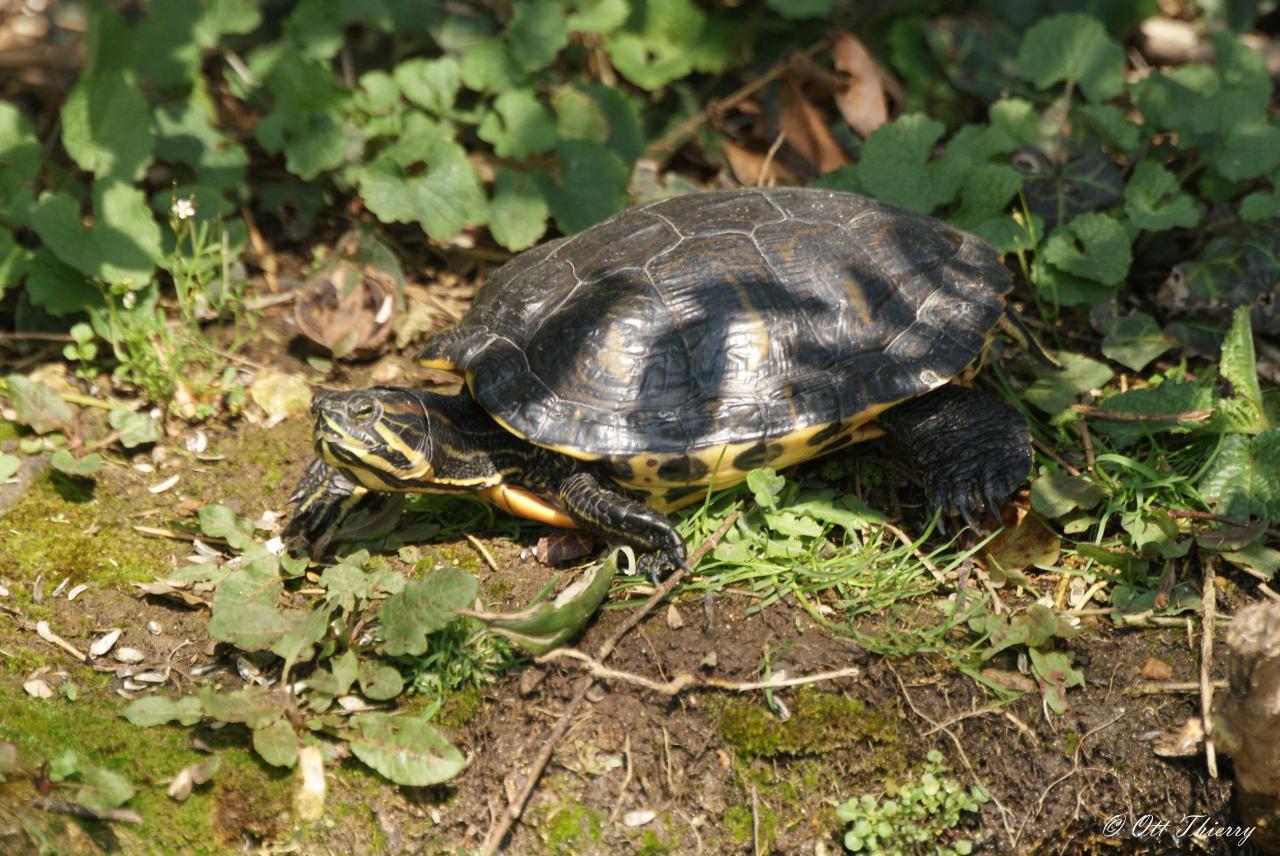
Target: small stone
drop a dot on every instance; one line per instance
(674, 619)
(1157, 670)
(639, 817)
(153, 628)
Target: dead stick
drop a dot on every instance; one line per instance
(1209, 598)
(1122, 416)
(516, 807)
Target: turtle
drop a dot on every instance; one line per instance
(615, 375)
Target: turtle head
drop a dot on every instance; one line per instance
(379, 437)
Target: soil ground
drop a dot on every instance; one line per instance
(720, 771)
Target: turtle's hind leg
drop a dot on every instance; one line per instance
(604, 511)
(328, 506)
(972, 449)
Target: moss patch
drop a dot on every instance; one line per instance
(820, 722)
(568, 827)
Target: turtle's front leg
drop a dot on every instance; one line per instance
(602, 510)
(328, 506)
(972, 449)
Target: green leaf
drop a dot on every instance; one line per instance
(20, 157)
(665, 40)
(64, 766)
(537, 33)
(185, 134)
(489, 67)
(298, 645)
(226, 18)
(594, 112)
(765, 485)
(1251, 151)
(1055, 494)
(1238, 366)
(1244, 480)
(895, 164)
(380, 682)
(1134, 340)
(244, 610)
(1197, 99)
(124, 244)
(64, 462)
(432, 84)
(1055, 675)
(344, 583)
(14, 261)
(38, 406)
(9, 464)
(136, 428)
(425, 606)
(1053, 390)
(443, 199)
(106, 126)
(276, 743)
(518, 126)
(1257, 207)
(253, 706)
(218, 521)
(599, 16)
(518, 212)
(1112, 125)
(1154, 201)
(1170, 397)
(58, 288)
(593, 185)
(172, 58)
(157, 710)
(1093, 246)
(801, 9)
(1073, 48)
(406, 750)
(103, 790)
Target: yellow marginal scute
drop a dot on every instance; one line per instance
(530, 506)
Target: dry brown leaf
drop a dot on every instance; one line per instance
(756, 169)
(806, 130)
(863, 103)
(1023, 544)
(347, 311)
(1157, 670)
(562, 547)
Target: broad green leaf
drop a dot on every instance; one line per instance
(406, 750)
(1251, 151)
(986, 193)
(103, 790)
(489, 67)
(765, 485)
(171, 59)
(378, 92)
(600, 113)
(157, 710)
(592, 187)
(253, 706)
(1154, 201)
(20, 157)
(1113, 126)
(801, 9)
(518, 211)
(1134, 340)
(1199, 99)
(136, 427)
(1054, 389)
(1153, 532)
(895, 164)
(425, 606)
(185, 134)
(9, 464)
(64, 462)
(432, 84)
(443, 199)
(226, 18)
(8, 760)
(106, 126)
(338, 678)
(344, 583)
(218, 521)
(1093, 246)
(298, 645)
(1238, 366)
(518, 126)
(14, 261)
(1171, 398)
(315, 27)
(65, 765)
(1073, 48)
(276, 743)
(1055, 675)
(244, 609)
(666, 39)
(1244, 480)
(380, 682)
(1257, 558)
(124, 244)
(537, 32)
(1055, 494)
(37, 405)
(598, 16)
(1261, 206)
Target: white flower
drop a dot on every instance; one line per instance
(184, 209)
(129, 300)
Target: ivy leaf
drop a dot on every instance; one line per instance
(157, 710)
(443, 199)
(1093, 246)
(106, 126)
(1244, 480)
(432, 84)
(124, 244)
(895, 164)
(665, 40)
(593, 186)
(276, 743)
(1154, 201)
(518, 212)
(1055, 389)
(594, 112)
(518, 126)
(1073, 48)
(425, 606)
(64, 462)
(405, 750)
(1257, 207)
(537, 32)
(38, 406)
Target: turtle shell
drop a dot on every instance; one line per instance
(765, 324)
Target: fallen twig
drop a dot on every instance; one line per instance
(484, 553)
(515, 808)
(1169, 687)
(1123, 416)
(1209, 598)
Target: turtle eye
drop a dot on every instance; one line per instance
(365, 412)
